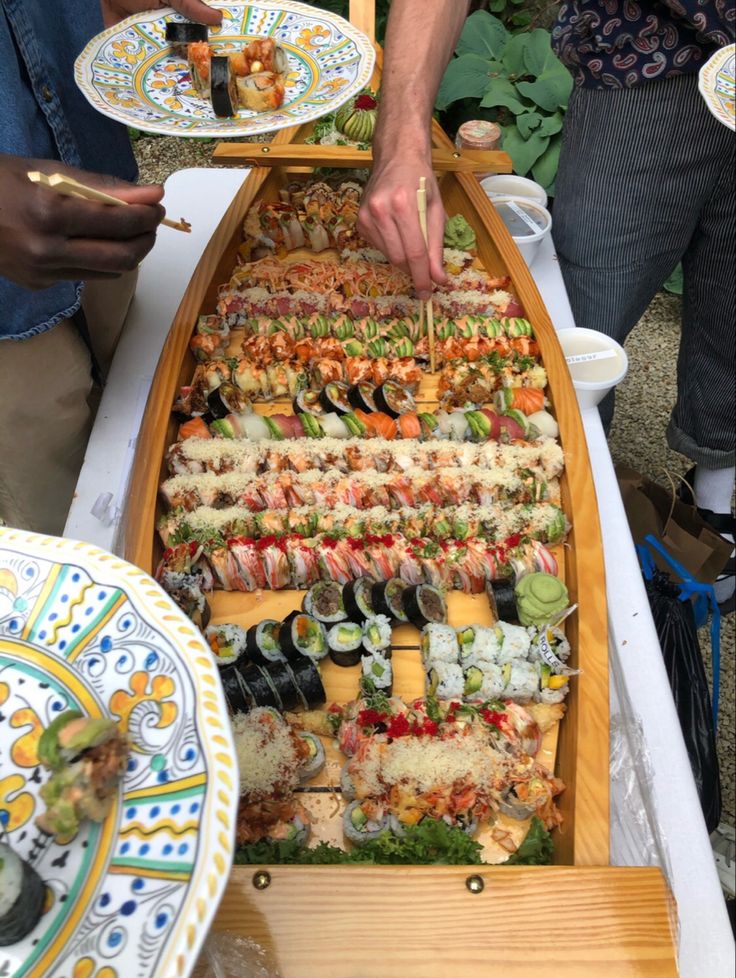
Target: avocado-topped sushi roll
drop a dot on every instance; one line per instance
(377, 634)
(228, 642)
(323, 601)
(387, 598)
(223, 87)
(87, 758)
(22, 895)
(424, 603)
(357, 598)
(345, 639)
(181, 35)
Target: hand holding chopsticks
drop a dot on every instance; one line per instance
(69, 187)
(425, 308)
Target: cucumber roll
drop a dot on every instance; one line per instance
(308, 402)
(308, 682)
(357, 598)
(259, 684)
(361, 396)
(223, 88)
(393, 399)
(262, 643)
(360, 824)
(344, 640)
(424, 603)
(238, 694)
(179, 35)
(316, 758)
(22, 895)
(228, 642)
(377, 668)
(445, 680)
(377, 635)
(303, 635)
(439, 643)
(387, 599)
(323, 601)
(334, 397)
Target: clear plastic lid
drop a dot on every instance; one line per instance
(522, 218)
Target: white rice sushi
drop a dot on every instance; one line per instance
(22, 895)
(445, 680)
(522, 680)
(439, 644)
(514, 642)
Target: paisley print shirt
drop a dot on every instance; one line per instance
(621, 43)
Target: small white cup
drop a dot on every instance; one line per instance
(528, 244)
(509, 185)
(599, 364)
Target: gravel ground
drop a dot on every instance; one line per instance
(637, 439)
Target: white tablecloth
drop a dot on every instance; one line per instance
(655, 816)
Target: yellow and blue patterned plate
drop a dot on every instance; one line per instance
(131, 897)
(129, 73)
(717, 84)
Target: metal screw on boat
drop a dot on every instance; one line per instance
(456, 156)
(475, 884)
(265, 149)
(262, 879)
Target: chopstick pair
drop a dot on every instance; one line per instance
(72, 188)
(425, 306)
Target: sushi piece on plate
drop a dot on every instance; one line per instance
(357, 598)
(376, 667)
(223, 87)
(364, 820)
(181, 35)
(377, 635)
(260, 92)
(387, 598)
(22, 895)
(316, 758)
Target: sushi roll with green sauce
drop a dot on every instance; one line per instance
(22, 895)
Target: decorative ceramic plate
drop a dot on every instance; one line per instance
(130, 74)
(717, 84)
(131, 897)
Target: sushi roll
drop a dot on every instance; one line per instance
(387, 599)
(258, 683)
(308, 682)
(262, 643)
(424, 603)
(377, 668)
(344, 640)
(296, 830)
(283, 682)
(514, 642)
(357, 599)
(228, 399)
(199, 56)
(363, 821)
(303, 635)
(223, 87)
(181, 35)
(522, 680)
(393, 399)
(502, 599)
(261, 92)
(361, 396)
(315, 761)
(323, 601)
(439, 643)
(228, 642)
(445, 680)
(334, 397)
(22, 895)
(552, 688)
(478, 644)
(238, 694)
(377, 635)
(308, 402)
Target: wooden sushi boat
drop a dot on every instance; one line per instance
(578, 917)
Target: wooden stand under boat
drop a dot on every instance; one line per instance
(580, 917)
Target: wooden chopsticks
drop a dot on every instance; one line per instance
(72, 188)
(425, 307)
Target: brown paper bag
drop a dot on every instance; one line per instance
(650, 508)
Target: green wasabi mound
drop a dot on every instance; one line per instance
(459, 234)
(540, 598)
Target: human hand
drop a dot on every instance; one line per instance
(117, 10)
(389, 218)
(46, 238)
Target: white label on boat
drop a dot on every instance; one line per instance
(526, 218)
(544, 648)
(587, 357)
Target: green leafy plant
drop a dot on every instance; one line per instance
(520, 83)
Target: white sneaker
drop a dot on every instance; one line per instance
(723, 841)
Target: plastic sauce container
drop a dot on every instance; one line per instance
(510, 185)
(596, 363)
(528, 223)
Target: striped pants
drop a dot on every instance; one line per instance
(646, 180)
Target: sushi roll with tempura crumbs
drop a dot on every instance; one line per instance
(261, 92)
(22, 895)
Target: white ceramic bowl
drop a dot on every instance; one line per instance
(509, 185)
(528, 244)
(599, 364)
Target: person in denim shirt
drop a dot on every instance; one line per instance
(67, 266)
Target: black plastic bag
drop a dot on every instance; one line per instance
(674, 620)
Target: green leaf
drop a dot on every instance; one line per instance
(496, 6)
(536, 849)
(513, 55)
(524, 153)
(483, 34)
(502, 92)
(544, 170)
(528, 122)
(538, 54)
(521, 19)
(551, 90)
(551, 124)
(466, 77)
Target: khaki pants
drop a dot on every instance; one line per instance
(48, 400)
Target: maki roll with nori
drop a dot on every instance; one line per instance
(344, 640)
(22, 895)
(423, 604)
(334, 397)
(228, 399)
(181, 35)
(308, 402)
(258, 682)
(223, 88)
(283, 682)
(387, 599)
(377, 668)
(238, 695)
(357, 598)
(228, 642)
(323, 601)
(393, 399)
(262, 643)
(502, 599)
(361, 396)
(302, 635)
(309, 682)
(377, 635)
